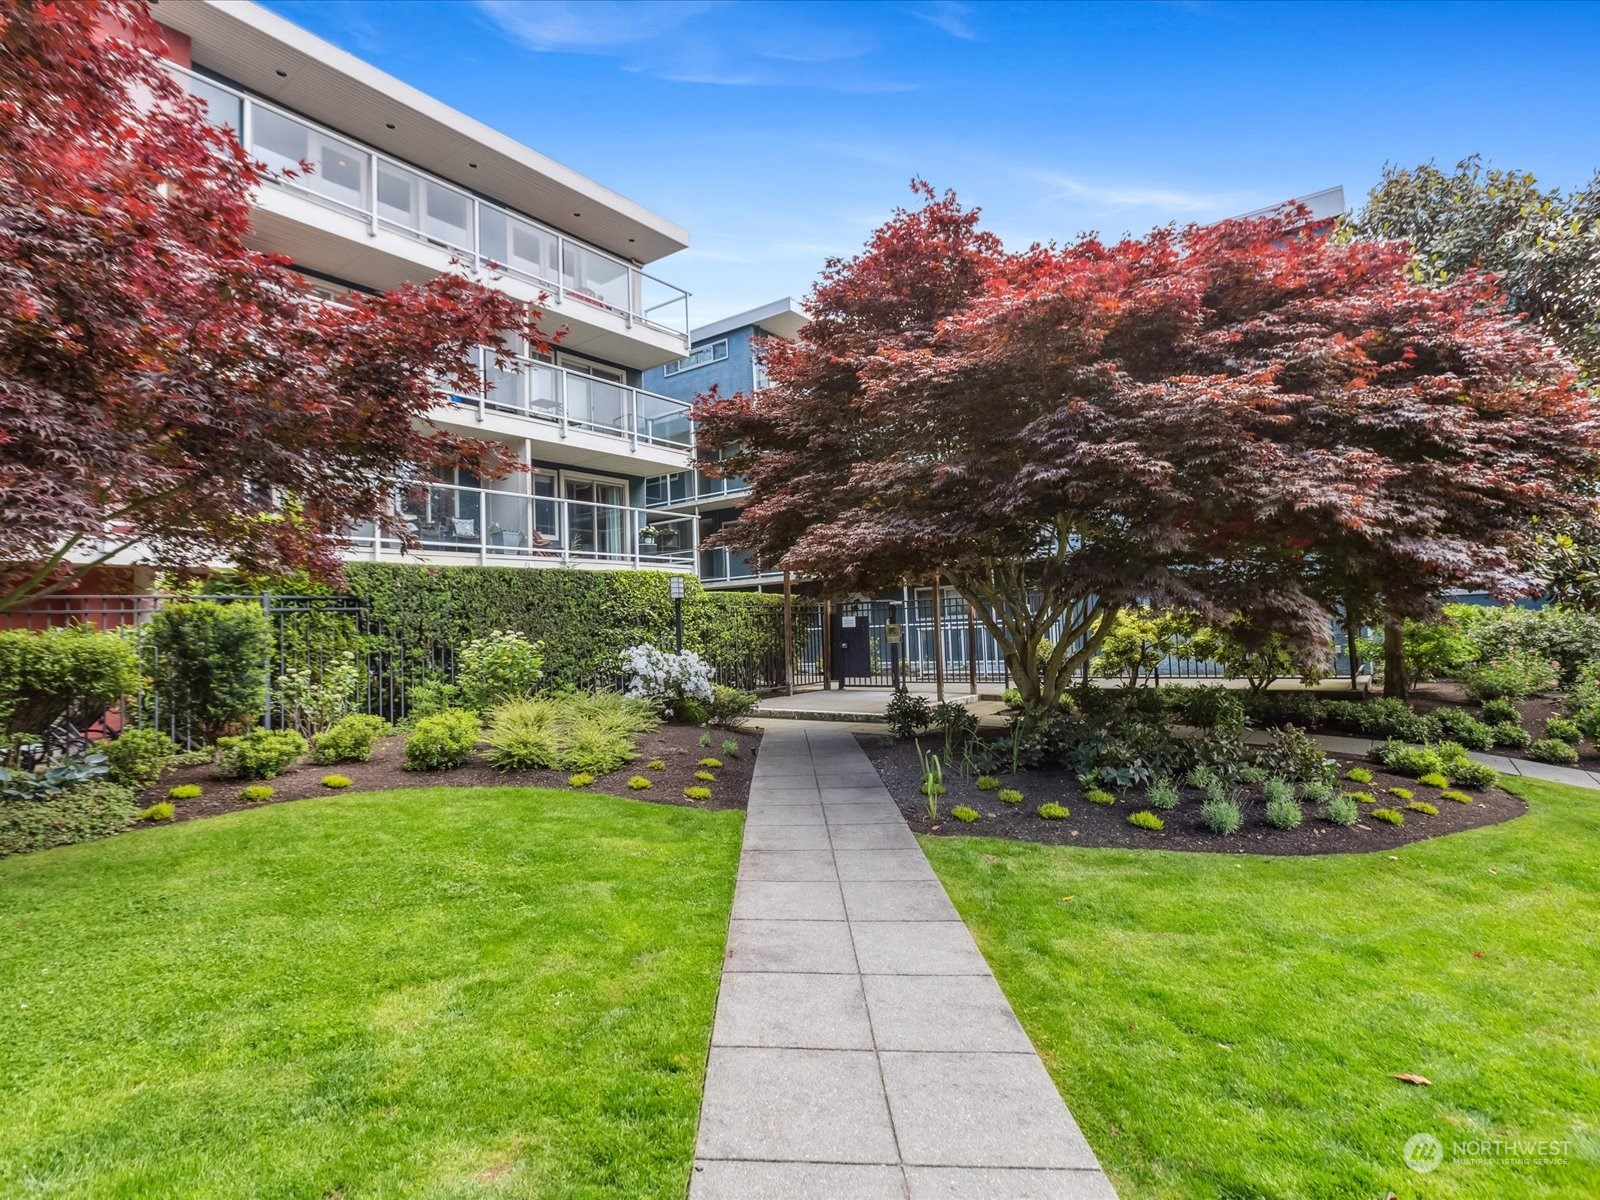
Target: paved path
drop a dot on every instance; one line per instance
(862, 1049)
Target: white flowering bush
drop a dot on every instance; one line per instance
(667, 680)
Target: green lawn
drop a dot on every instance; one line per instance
(443, 992)
(1227, 1026)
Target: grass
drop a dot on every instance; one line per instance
(1227, 1026)
(433, 993)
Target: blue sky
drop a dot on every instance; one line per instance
(780, 133)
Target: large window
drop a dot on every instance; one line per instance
(715, 352)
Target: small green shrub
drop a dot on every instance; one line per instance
(1422, 806)
(656, 764)
(908, 714)
(80, 812)
(336, 781)
(1563, 730)
(349, 739)
(1552, 750)
(442, 741)
(1053, 812)
(208, 663)
(697, 794)
(1389, 816)
(1217, 791)
(1012, 699)
(1294, 755)
(731, 749)
(986, 783)
(1501, 712)
(1144, 819)
(162, 810)
(1096, 795)
(1319, 793)
(1283, 812)
(1163, 794)
(711, 764)
(136, 757)
(581, 779)
(1458, 797)
(1414, 761)
(731, 708)
(640, 784)
(705, 776)
(1401, 793)
(1358, 775)
(499, 667)
(1461, 726)
(185, 791)
(1200, 776)
(705, 741)
(1222, 816)
(964, 814)
(1277, 789)
(1008, 796)
(259, 754)
(1341, 810)
(1363, 797)
(1473, 775)
(1434, 779)
(256, 793)
(1510, 736)
(1513, 676)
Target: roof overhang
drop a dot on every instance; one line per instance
(782, 318)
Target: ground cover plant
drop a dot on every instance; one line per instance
(513, 994)
(1214, 1024)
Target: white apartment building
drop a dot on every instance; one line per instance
(403, 185)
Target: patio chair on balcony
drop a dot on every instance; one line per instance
(464, 529)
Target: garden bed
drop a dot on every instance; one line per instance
(1107, 825)
(678, 746)
(1534, 711)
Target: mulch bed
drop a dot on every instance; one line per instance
(1535, 711)
(1107, 825)
(676, 745)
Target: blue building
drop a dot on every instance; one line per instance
(722, 354)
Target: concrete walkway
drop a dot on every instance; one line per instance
(862, 1049)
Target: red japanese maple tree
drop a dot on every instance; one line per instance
(162, 385)
(1234, 418)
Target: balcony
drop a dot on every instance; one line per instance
(729, 566)
(386, 194)
(498, 527)
(570, 400)
(695, 488)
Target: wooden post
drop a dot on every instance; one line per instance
(788, 636)
(827, 645)
(938, 641)
(972, 650)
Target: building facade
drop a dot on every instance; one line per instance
(722, 354)
(404, 188)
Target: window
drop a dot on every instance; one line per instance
(715, 352)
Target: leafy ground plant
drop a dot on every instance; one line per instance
(1389, 816)
(1144, 819)
(256, 793)
(965, 814)
(1054, 812)
(1008, 796)
(1222, 816)
(336, 781)
(464, 945)
(162, 810)
(639, 784)
(1341, 810)
(1423, 807)
(185, 791)
(700, 794)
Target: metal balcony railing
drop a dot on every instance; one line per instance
(388, 194)
(573, 400)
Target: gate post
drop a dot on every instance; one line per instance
(938, 641)
(788, 636)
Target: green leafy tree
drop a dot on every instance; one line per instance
(1142, 637)
(208, 664)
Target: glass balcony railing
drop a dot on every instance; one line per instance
(498, 526)
(690, 487)
(572, 400)
(728, 566)
(364, 183)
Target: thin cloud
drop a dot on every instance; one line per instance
(948, 16)
(591, 27)
(1129, 195)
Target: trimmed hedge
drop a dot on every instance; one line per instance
(584, 618)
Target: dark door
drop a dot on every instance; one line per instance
(852, 653)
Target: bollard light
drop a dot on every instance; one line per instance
(676, 584)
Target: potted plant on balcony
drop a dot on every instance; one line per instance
(499, 535)
(649, 538)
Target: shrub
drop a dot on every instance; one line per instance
(1215, 709)
(639, 784)
(731, 708)
(710, 763)
(1277, 789)
(1363, 797)
(1552, 750)
(74, 672)
(336, 781)
(1458, 797)
(595, 734)
(259, 754)
(705, 741)
(136, 757)
(1096, 795)
(1434, 779)
(908, 714)
(986, 783)
(208, 663)
(1012, 699)
(185, 791)
(1513, 676)
(731, 749)
(1563, 730)
(675, 685)
(1388, 816)
(1423, 807)
(1294, 755)
(1319, 793)
(1498, 712)
(1383, 717)
(1587, 719)
(964, 814)
(1358, 775)
(580, 780)
(349, 739)
(697, 794)
(1145, 819)
(1414, 761)
(1222, 816)
(1163, 794)
(312, 701)
(1472, 775)
(1401, 793)
(442, 741)
(1283, 812)
(656, 764)
(1217, 790)
(161, 810)
(1200, 776)
(256, 793)
(1008, 796)
(1053, 812)
(1341, 810)
(501, 666)
(1509, 735)
(705, 776)
(1461, 726)
(79, 813)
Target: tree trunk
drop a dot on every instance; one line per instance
(1351, 626)
(1396, 682)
